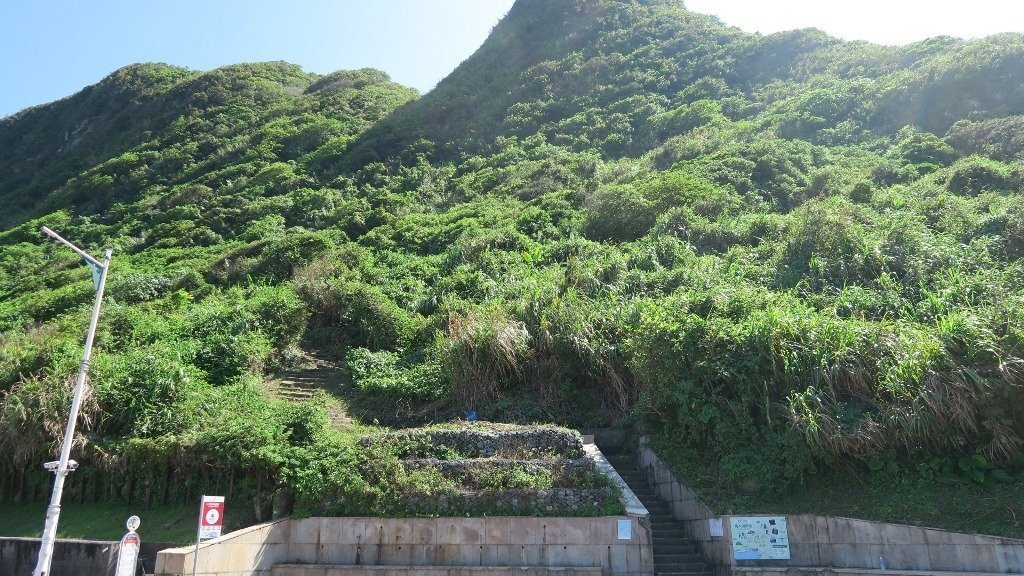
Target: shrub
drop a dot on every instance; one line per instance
(619, 212)
(485, 351)
(416, 375)
(977, 175)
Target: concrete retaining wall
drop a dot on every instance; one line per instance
(497, 541)
(302, 570)
(421, 542)
(850, 572)
(70, 557)
(498, 546)
(830, 542)
(247, 552)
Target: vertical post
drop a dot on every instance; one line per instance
(199, 531)
(53, 511)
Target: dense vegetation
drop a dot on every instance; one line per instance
(787, 255)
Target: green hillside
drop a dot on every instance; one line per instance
(789, 257)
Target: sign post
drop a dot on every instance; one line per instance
(211, 522)
(128, 551)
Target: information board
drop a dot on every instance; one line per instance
(759, 538)
(211, 517)
(625, 529)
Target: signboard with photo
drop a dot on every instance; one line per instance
(759, 538)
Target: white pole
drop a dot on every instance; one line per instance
(199, 530)
(53, 511)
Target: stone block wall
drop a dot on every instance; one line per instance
(422, 542)
(247, 552)
(305, 570)
(835, 544)
(485, 442)
(493, 541)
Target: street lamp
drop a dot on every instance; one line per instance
(61, 467)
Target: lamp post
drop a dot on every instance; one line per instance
(61, 467)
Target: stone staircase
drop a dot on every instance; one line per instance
(315, 374)
(674, 553)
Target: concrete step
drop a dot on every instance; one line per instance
(680, 569)
(674, 550)
(674, 553)
(291, 394)
(310, 384)
(678, 559)
(671, 538)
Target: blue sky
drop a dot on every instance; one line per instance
(52, 49)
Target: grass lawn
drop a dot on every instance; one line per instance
(900, 496)
(103, 521)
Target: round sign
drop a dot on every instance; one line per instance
(212, 515)
(133, 523)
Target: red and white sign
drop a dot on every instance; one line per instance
(211, 517)
(128, 555)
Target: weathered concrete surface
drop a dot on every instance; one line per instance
(425, 543)
(614, 439)
(306, 570)
(493, 541)
(632, 504)
(247, 552)
(70, 557)
(835, 544)
(761, 571)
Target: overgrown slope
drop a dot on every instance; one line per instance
(786, 255)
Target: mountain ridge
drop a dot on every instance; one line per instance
(761, 59)
(787, 256)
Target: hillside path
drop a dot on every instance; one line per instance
(313, 374)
